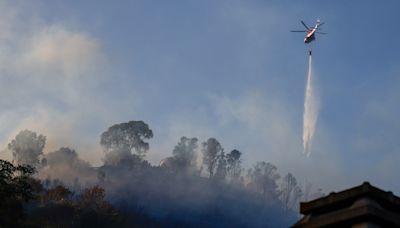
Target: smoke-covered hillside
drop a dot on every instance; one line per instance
(199, 185)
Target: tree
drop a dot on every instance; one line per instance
(221, 170)
(95, 211)
(16, 188)
(27, 147)
(211, 149)
(184, 153)
(290, 192)
(234, 168)
(66, 156)
(263, 179)
(183, 156)
(65, 164)
(121, 140)
(59, 207)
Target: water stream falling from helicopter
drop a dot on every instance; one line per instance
(311, 107)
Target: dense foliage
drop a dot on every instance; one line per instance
(25, 201)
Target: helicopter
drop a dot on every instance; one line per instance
(311, 31)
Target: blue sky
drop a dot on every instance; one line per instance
(227, 69)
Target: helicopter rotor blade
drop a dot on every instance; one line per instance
(298, 31)
(302, 22)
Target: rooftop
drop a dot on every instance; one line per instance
(363, 203)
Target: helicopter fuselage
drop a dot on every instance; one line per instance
(310, 37)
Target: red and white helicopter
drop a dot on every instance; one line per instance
(310, 36)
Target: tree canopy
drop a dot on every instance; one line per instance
(184, 152)
(126, 138)
(27, 147)
(211, 150)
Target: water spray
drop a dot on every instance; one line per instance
(310, 115)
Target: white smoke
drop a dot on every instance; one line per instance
(311, 107)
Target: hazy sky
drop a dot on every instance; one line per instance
(227, 69)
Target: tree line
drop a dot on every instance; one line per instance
(200, 184)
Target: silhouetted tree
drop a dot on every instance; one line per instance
(263, 178)
(234, 168)
(16, 188)
(290, 192)
(184, 153)
(27, 147)
(121, 140)
(211, 149)
(183, 156)
(56, 206)
(221, 170)
(95, 211)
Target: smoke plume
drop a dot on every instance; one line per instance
(310, 115)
